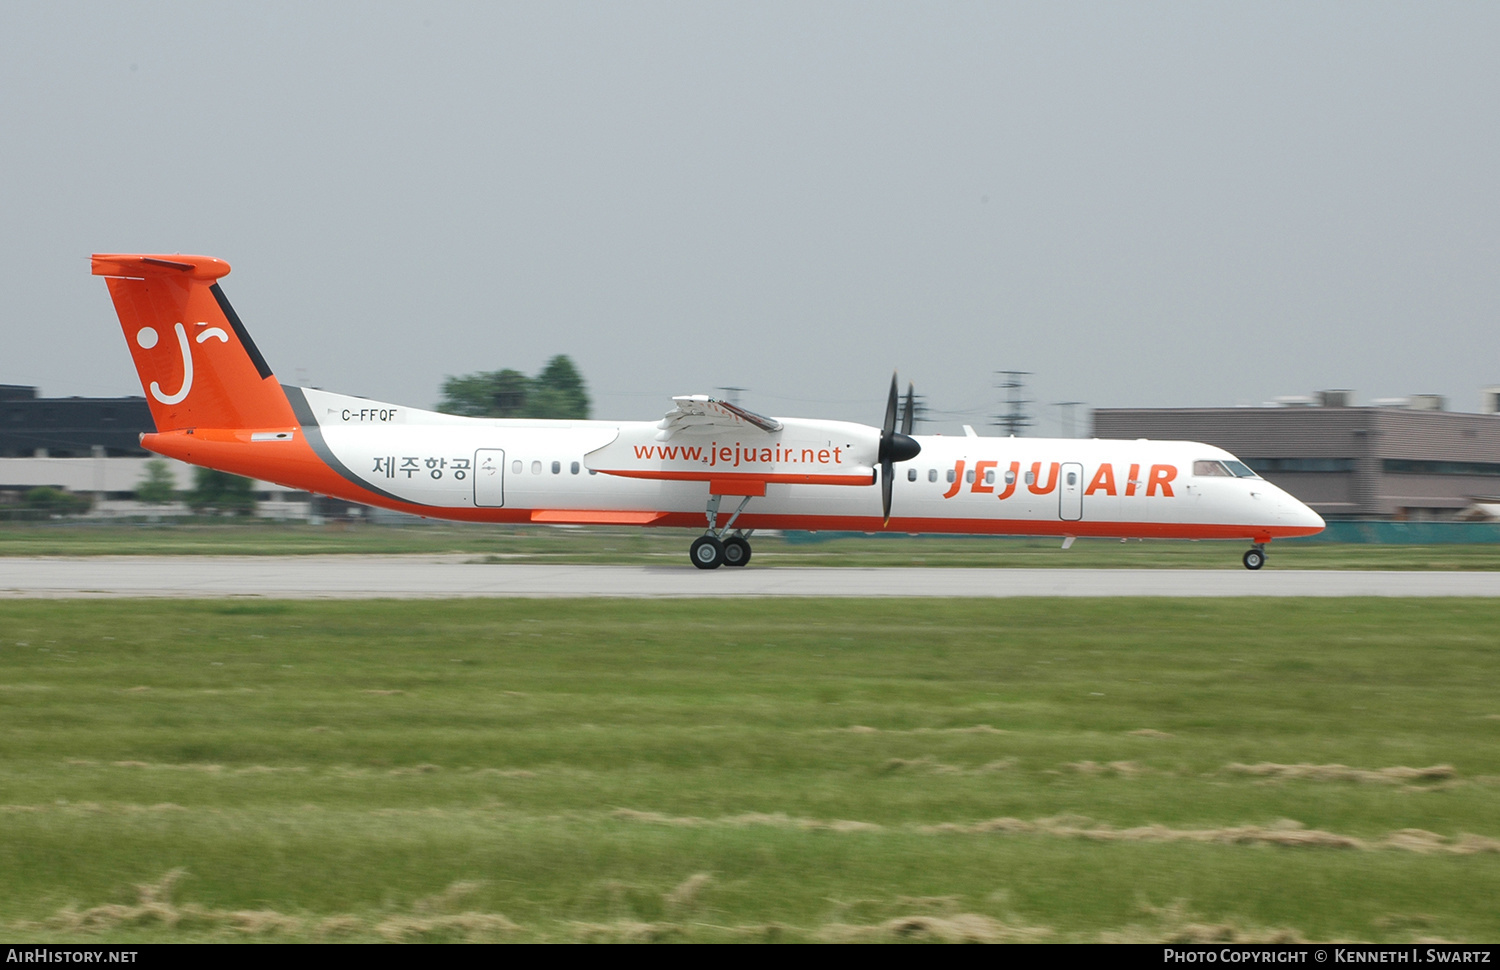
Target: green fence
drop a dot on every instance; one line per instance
(1361, 531)
(1379, 531)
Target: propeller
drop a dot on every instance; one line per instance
(895, 445)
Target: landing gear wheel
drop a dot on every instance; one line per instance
(1255, 558)
(707, 552)
(736, 551)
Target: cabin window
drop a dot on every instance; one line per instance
(573, 468)
(515, 467)
(1010, 476)
(1210, 469)
(911, 474)
(536, 468)
(1031, 478)
(950, 476)
(1072, 478)
(969, 476)
(557, 468)
(989, 476)
(932, 474)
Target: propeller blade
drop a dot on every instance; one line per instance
(887, 479)
(890, 411)
(895, 446)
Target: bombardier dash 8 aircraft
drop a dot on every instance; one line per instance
(216, 403)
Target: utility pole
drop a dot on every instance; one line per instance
(1015, 420)
(918, 411)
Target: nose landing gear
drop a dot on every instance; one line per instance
(1255, 557)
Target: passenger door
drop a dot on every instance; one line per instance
(1070, 492)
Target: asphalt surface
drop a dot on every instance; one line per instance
(436, 577)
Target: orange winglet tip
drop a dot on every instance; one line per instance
(143, 265)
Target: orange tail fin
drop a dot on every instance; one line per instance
(196, 362)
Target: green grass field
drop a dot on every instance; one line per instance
(704, 770)
(653, 546)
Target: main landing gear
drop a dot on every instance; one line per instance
(712, 549)
(1255, 557)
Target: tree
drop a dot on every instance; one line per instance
(221, 492)
(56, 501)
(557, 392)
(159, 487)
(493, 394)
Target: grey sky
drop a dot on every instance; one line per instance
(1145, 204)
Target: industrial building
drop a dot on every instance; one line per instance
(91, 446)
(1408, 459)
(70, 427)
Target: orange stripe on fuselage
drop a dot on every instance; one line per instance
(999, 527)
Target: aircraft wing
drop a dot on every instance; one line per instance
(704, 439)
(701, 413)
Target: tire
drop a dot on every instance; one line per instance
(1254, 559)
(736, 551)
(706, 552)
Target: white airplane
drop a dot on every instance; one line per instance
(216, 403)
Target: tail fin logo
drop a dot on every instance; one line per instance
(147, 337)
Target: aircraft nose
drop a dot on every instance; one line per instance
(1291, 511)
(1300, 515)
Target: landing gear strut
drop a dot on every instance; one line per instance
(712, 549)
(1255, 557)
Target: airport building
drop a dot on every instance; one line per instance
(91, 446)
(1408, 459)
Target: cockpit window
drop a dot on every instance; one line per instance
(1240, 469)
(1210, 469)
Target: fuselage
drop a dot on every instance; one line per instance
(216, 402)
(499, 470)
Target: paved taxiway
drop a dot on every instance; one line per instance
(430, 577)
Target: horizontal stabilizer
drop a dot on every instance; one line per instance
(139, 266)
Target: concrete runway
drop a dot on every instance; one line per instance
(436, 577)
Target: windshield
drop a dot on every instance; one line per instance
(1240, 469)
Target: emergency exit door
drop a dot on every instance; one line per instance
(489, 478)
